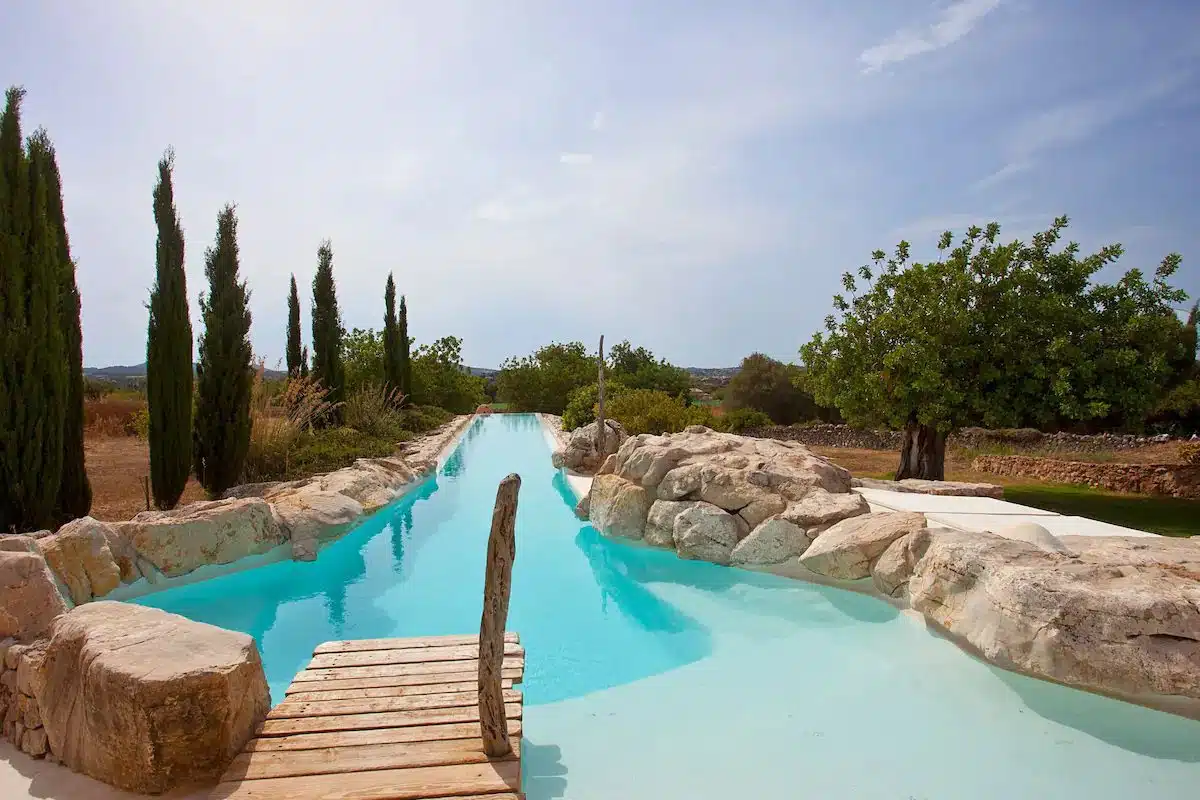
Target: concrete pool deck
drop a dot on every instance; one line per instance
(977, 514)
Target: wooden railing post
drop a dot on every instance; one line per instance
(502, 549)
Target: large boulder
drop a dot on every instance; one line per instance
(617, 507)
(705, 532)
(580, 451)
(772, 542)
(145, 700)
(820, 507)
(1122, 616)
(208, 532)
(372, 482)
(29, 597)
(84, 557)
(660, 522)
(310, 516)
(849, 549)
(748, 480)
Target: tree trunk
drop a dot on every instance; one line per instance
(502, 549)
(600, 431)
(923, 453)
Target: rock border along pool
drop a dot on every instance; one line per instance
(1118, 615)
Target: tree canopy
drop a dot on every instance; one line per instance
(772, 387)
(999, 335)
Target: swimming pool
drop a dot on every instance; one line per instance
(648, 676)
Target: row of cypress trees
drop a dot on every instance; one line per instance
(198, 423)
(42, 475)
(327, 330)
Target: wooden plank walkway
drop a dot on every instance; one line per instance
(383, 719)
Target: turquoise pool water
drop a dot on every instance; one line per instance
(652, 677)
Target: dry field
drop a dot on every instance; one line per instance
(116, 466)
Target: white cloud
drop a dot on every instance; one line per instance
(575, 158)
(1074, 122)
(598, 120)
(955, 22)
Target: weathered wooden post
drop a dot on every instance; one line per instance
(600, 437)
(502, 549)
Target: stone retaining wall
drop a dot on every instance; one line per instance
(826, 435)
(18, 706)
(1172, 480)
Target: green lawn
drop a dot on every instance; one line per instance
(1170, 516)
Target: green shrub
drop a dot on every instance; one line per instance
(741, 419)
(333, 448)
(141, 423)
(374, 410)
(650, 411)
(581, 407)
(420, 419)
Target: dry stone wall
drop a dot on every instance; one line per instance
(827, 435)
(1171, 480)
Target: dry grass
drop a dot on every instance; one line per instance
(112, 415)
(115, 467)
(278, 420)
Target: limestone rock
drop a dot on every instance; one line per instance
(34, 742)
(705, 532)
(820, 507)
(767, 505)
(580, 451)
(1036, 535)
(947, 488)
(29, 597)
(892, 570)
(145, 700)
(310, 516)
(82, 559)
(1123, 617)
(660, 523)
(17, 543)
(849, 548)
(772, 542)
(372, 482)
(617, 507)
(680, 482)
(207, 532)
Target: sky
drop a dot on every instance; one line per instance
(692, 176)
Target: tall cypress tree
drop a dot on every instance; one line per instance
(169, 351)
(406, 382)
(74, 490)
(224, 373)
(327, 332)
(33, 368)
(294, 354)
(391, 338)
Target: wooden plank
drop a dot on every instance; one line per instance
(363, 758)
(383, 719)
(371, 705)
(363, 693)
(418, 655)
(399, 669)
(389, 784)
(389, 681)
(393, 736)
(360, 645)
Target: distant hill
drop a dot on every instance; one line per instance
(125, 375)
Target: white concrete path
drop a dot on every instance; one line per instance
(989, 514)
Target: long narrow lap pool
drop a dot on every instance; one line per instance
(648, 676)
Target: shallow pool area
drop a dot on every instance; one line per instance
(648, 676)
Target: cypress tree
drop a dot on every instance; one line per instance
(406, 384)
(327, 332)
(224, 373)
(74, 490)
(391, 338)
(304, 362)
(33, 369)
(294, 354)
(169, 351)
